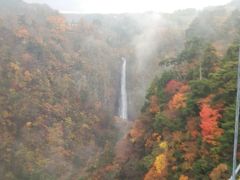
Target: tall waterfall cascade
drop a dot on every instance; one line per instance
(123, 96)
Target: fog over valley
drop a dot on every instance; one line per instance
(123, 90)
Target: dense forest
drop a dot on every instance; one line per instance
(60, 86)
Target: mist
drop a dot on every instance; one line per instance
(124, 6)
(111, 89)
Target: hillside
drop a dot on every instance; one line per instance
(186, 127)
(60, 87)
(53, 121)
(144, 39)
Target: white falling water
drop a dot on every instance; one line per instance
(123, 96)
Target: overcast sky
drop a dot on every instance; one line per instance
(121, 6)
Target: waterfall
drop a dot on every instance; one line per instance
(123, 95)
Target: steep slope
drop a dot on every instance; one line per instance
(188, 123)
(186, 127)
(59, 93)
(217, 25)
(53, 123)
(143, 39)
(59, 86)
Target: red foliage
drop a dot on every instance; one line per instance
(209, 124)
(173, 86)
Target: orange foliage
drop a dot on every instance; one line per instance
(154, 108)
(27, 76)
(22, 32)
(190, 156)
(185, 88)
(209, 124)
(206, 100)
(137, 131)
(14, 67)
(218, 172)
(58, 22)
(151, 175)
(178, 101)
(182, 177)
(173, 86)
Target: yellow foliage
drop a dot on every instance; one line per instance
(85, 126)
(14, 67)
(160, 163)
(163, 145)
(182, 177)
(68, 121)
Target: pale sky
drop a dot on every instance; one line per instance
(121, 6)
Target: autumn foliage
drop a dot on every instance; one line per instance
(177, 102)
(209, 123)
(158, 170)
(154, 108)
(22, 33)
(219, 172)
(182, 177)
(58, 91)
(192, 127)
(58, 22)
(173, 86)
(160, 163)
(178, 91)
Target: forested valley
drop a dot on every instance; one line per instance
(60, 78)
